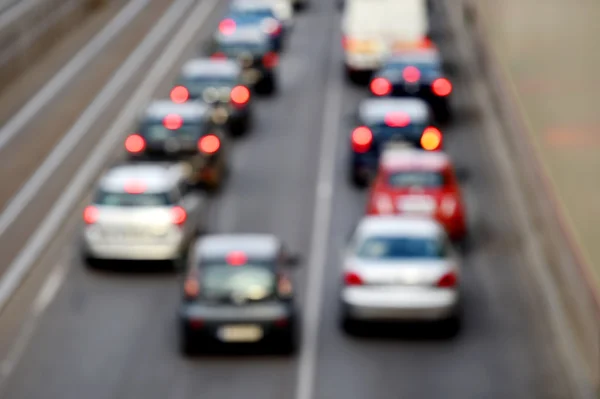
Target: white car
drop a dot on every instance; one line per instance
(142, 211)
(400, 268)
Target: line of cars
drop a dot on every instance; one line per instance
(236, 288)
(403, 259)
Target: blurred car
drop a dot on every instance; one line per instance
(415, 73)
(281, 11)
(142, 212)
(262, 18)
(372, 30)
(217, 83)
(237, 289)
(410, 181)
(253, 50)
(383, 120)
(400, 268)
(182, 132)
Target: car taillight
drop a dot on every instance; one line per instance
(345, 42)
(209, 144)
(448, 280)
(178, 215)
(352, 278)
(441, 87)
(362, 138)
(411, 74)
(380, 87)
(180, 94)
(90, 215)
(135, 144)
(218, 56)
(240, 95)
(448, 205)
(227, 26)
(431, 139)
(191, 287)
(384, 204)
(282, 322)
(270, 60)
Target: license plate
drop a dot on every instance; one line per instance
(250, 333)
(251, 76)
(417, 205)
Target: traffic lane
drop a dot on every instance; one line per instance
(114, 335)
(25, 152)
(500, 353)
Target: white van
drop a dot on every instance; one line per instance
(373, 29)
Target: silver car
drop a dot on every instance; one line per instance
(142, 211)
(400, 268)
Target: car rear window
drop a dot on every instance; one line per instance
(106, 198)
(382, 248)
(416, 178)
(156, 131)
(248, 283)
(252, 15)
(427, 68)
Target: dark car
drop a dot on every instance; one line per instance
(237, 290)
(219, 84)
(182, 132)
(380, 121)
(417, 73)
(262, 18)
(253, 50)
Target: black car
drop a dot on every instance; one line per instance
(417, 73)
(182, 132)
(253, 49)
(219, 84)
(237, 290)
(380, 121)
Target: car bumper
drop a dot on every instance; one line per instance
(375, 304)
(101, 249)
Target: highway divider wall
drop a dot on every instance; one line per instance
(30, 27)
(565, 263)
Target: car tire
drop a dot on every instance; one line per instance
(289, 345)
(267, 86)
(356, 180)
(187, 346)
(452, 326)
(240, 126)
(348, 325)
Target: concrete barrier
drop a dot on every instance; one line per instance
(30, 27)
(563, 259)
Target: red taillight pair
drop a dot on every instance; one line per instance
(448, 280)
(178, 215)
(362, 139)
(240, 95)
(209, 144)
(441, 87)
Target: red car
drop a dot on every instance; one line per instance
(419, 182)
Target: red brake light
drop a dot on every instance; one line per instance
(209, 144)
(441, 87)
(411, 74)
(135, 187)
(362, 137)
(173, 121)
(352, 278)
(180, 94)
(270, 60)
(179, 215)
(448, 280)
(381, 87)
(227, 26)
(397, 119)
(431, 139)
(218, 56)
(240, 95)
(135, 144)
(90, 215)
(236, 258)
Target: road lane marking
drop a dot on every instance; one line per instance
(86, 121)
(97, 159)
(320, 228)
(73, 67)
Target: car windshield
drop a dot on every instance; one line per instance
(386, 247)
(416, 178)
(247, 283)
(120, 199)
(156, 131)
(198, 85)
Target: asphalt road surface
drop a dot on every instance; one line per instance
(112, 334)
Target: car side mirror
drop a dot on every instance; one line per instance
(462, 174)
(294, 259)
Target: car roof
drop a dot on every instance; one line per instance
(243, 5)
(251, 34)
(212, 67)
(192, 110)
(398, 225)
(260, 246)
(156, 177)
(416, 56)
(375, 109)
(402, 158)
